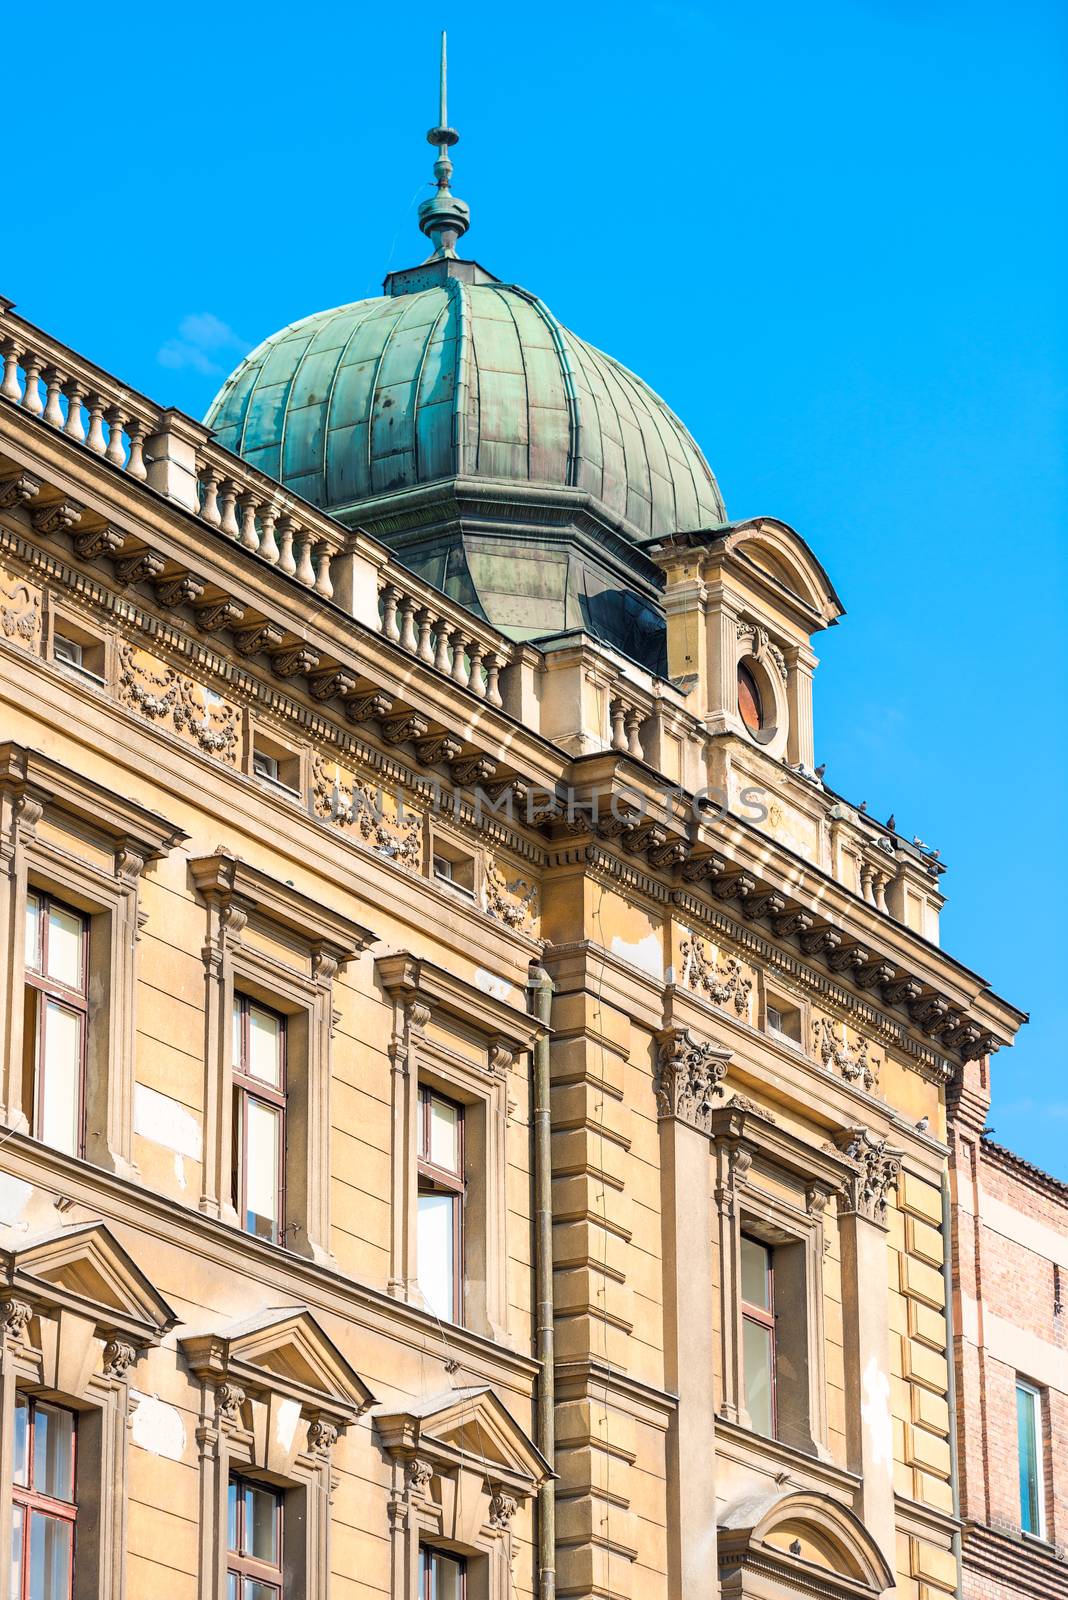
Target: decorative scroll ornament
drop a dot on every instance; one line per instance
(339, 797)
(689, 1077)
(877, 1170)
(722, 982)
(119, 1357)
(852, 1061)
(760, 644)
(229, 1398)
(14, 1318)
(322, 1436)
(417, 1475)
(502, 1508)
(513, 902)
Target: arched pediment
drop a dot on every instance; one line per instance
(782, 555)
(816, 1544)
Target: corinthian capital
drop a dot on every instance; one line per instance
(688, 1077)
(875, 1175)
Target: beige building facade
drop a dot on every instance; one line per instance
(474, 1103)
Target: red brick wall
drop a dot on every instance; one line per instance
(1008, 1223)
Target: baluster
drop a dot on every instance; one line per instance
(425, 652)
(475, 683)
(494, 664)
(249, 537)
(880, 892)
(619, 716)
(635, 719)
(53, 411)
(323, 556)
(268, 543)
(10, 386)
(31, 395)
(305, 572)
(390, 596)
(209, 505)
(75, 425)
(459, 659)
(443, 653)
(228, 516)
(96, 440)
(286, 564)
(116, 450)
(135, 466)
(408, 640)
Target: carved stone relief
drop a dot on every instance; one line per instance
(689, 1077)
(856, 1062)
(20, 611)
(723, 981)
(162, 694)
(513, 901)
(373, 815)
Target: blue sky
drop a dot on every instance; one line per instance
(832, 236)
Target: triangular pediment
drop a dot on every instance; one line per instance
(85, 1267)
(283, 1349)
(469, 1425)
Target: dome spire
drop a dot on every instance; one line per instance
(443, 219)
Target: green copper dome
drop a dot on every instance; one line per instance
(460, 379)
(504, 459)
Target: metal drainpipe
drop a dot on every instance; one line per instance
(541, 996)
(951, 1386)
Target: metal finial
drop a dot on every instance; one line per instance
(443, 219)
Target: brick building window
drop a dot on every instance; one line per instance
(440, 1243)
(758, 1334)
(441, 1577)
(1032, 1467)
(56, 1027)
(253, 1542)
(45, 1512)
(259, 1121)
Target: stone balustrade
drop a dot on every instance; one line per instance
(418, 621)
(627, 719)
(246, 506)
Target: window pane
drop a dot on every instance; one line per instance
(444, 1134)
(447, 1578)
(233, 1591)
(50, 1557)
(265, 1046)
(65, 932)
(22, 1433)
(59, 1114)
(261, 1525)
(435, 1247)
(17, 1536)
(756, 1258)
(53, 1452)
(231, 1516)
(1027, 1445)
(255, 1590)
(33, 918)
(237, 1031)
(756, 1360)
(263, 1125)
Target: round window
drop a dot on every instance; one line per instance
(749, 702)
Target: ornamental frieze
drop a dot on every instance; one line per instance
(511, 900)
(721, 978)
(856, 1062)
(375, 816)
(20, 611)
(161, 694)
(689, 1079)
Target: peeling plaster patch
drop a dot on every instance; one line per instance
(286, 1424)
(166, 1122)
(157, 1427)
(490, 984)
(179, 1168)
(875, 1410)
(14, 1196)
(647, 954)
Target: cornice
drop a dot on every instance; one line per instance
(25, 772)
(225, 879)
(409, 978)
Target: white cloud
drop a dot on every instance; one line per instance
(201, 335)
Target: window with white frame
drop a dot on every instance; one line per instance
(45, 1510)
(440, 1243)
(56, 1022)
(259, 1118)
(1030, 1455)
